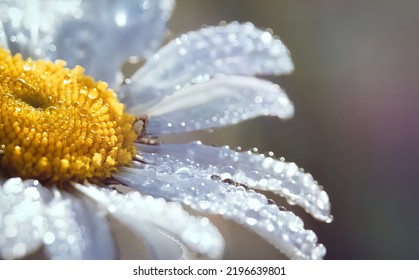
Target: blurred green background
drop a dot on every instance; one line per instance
(356, 129)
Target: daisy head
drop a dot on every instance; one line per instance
(79, 144)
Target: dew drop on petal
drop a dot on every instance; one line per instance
(49, 238)
(164, 169)
(228, 171)
(183, 173)
(251, 221)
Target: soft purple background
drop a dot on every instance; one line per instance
(356, 129)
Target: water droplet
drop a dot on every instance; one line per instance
(27, 67)
(183, 173)
(52, 48)
(228, 171)
(83, 91)
(94, 127)
(266, 37)
(254, 176)
(329, 219)
(269, 227)
(4, 206)
(67, 79)
(182, 51)
(164, 169)
(255, 201)
(145, 5)
(93, 94)
(83, 112)
(51, 109)
(203, 204)
(22, 81)
(77, 13)
(258, 99)
(251, 221)
(10, 231)
(49, 237)
(294, 188)
(278, 166)
(293, 227)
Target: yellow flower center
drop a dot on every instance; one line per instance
(57, 124)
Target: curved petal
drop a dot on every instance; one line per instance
(173, 180)
(87, 33)
(234, 49)
(141, 214)
(162, 246)
(22, 224)
(256, 171)
(76, 231)
(221, 101)
(31, 216)
(3, 38)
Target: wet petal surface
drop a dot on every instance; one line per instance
(85, 32)
(219, 102)
(33, 216)
(256, 171)
(22, 224)
(76, 231)
(195, 57)
(145, 214)
(168, 177)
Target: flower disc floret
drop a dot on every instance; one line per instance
(57, 124)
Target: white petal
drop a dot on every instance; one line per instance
(142, 214)
(256, 171)
(162, 245)
(76, 231)
(28, 26)
(235, 49)
(170, 179)
(98, 36)
(21, 219)
(31, 216)
(221, 101)
(3, 38)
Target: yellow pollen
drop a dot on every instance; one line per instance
(56, 124)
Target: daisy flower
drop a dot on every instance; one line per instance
(78, 155)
